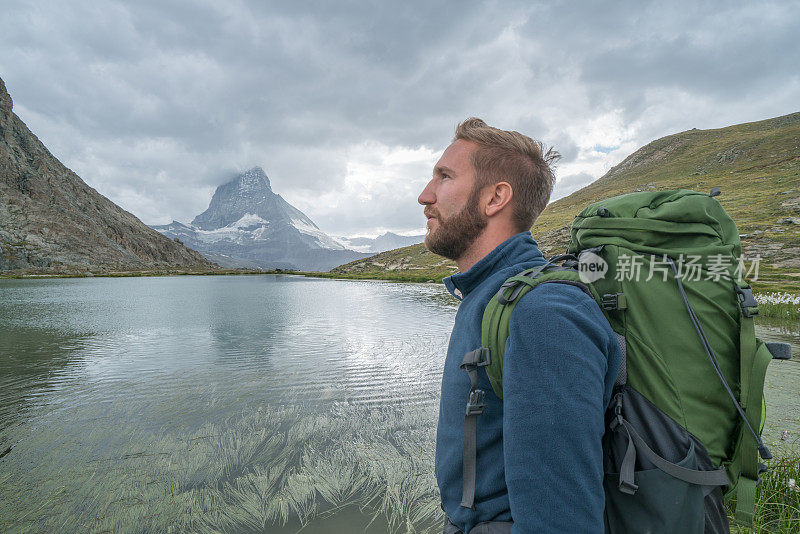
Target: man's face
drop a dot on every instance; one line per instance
(452, 203)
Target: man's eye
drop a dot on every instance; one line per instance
(445, 176)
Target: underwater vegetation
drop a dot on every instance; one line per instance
(263, 468)
(259, 469)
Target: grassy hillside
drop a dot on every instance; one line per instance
(410, 264)
(756, 165)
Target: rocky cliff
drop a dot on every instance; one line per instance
(51, 221)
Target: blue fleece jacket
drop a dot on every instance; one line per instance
(539, 457)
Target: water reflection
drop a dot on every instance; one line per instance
(782, 387)
(32, 364)
(783, 330)
(216, 402)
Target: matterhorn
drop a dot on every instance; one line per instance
(248, 225)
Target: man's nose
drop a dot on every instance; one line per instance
(427, 197)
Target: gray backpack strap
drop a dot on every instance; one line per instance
(475, 406)
(780, 351)
(708, 479)
(622, 376)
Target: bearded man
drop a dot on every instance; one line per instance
(538, 454)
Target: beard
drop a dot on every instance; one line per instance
(456, 234)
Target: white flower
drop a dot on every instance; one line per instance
(778, 298)
(793, 485)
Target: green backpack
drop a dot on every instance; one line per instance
(687, 410)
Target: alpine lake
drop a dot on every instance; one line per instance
(257, 403)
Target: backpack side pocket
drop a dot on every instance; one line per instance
(659, 478)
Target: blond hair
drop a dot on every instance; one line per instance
(508, 156)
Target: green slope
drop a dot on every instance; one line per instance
(411, 264)
(756, 165)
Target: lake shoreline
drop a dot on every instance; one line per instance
(391, 276)
(232, 272)
(767, 309)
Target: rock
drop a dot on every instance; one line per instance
(729, 156)
(5, 102)
(792, 205)
(772, 253)
(51, 220)
(789, 220)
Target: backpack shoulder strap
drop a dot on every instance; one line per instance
(754, 357)
(494, 331)
(497, 315)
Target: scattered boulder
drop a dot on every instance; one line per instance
(792, 205)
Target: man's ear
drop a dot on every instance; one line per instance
(498, 196)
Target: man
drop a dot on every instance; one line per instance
(539, 453)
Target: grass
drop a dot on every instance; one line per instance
(427, 276)
(128, 274)
(402, 276)
(777, 500)
(409, 264)
(781, 305)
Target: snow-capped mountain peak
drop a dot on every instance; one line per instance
(382, 243)
(252, 181)
(250, 224)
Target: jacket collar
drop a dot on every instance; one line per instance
(516, 249)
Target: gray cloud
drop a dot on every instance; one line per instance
(156, 103)
(571, 183)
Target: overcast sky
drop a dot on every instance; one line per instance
(347, 105)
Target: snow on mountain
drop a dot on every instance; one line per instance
(323, 239)
(382, 243)
(249, 220)
(247, 223)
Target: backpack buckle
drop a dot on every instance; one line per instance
(626, 486)
(617, 420)
(480, 357)
(614, 301)
(747, 301)
(476, 402)
(508, 284)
